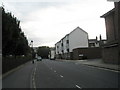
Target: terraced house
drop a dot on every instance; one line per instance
(78, 38)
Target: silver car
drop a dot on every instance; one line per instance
(39, 58)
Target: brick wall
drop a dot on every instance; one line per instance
(88, 53)
(110, 27)
(110, 54)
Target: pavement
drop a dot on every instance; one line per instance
(0, 71)
(20, 77)
(96, 63)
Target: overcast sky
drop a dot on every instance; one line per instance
(47, 21)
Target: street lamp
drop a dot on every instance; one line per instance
(31, 45)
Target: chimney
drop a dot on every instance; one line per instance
(96, 38)
(100, 37)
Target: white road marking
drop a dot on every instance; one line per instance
(34, 86)
(34, 73)
(78, 86)
(33, 78)
(61, 76)
(35, 68)
(54, 71)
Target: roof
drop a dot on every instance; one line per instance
(71, 32)
(97, 40)
(80, 29)
(92, 40)
(108, 13)
(65, 36)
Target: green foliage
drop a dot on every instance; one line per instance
(43, 51)
(14, 41)
(10, 62)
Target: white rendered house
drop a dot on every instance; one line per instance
(78, 38)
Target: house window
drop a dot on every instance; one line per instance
(62, 44)
(67, 41)
(67, 50)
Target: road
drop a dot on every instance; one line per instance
(60, 74)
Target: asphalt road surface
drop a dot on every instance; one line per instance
(60, 74)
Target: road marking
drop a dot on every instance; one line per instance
(33, 77)
(78, 86)
(61, 76)
(33, 80)
(54, 71)
(34, 74)
(34, 86)
(35, 68)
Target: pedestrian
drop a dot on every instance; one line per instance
(33, 61)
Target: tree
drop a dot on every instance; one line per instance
(43, 51)
(14, 41)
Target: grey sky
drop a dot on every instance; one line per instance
(47, 21)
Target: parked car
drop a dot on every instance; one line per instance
(39, 58)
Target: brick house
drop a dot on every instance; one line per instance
(111, 52)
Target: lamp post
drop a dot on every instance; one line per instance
(31, 43)
(32, 50)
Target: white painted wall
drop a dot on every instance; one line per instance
(78, 39)
(56, 49)
(59, 48)
(97, 45)
(65, 45)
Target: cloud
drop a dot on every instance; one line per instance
(47, 22)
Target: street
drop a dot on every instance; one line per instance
(60, 74)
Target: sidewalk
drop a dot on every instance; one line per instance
(96, 63)
(99, 63)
